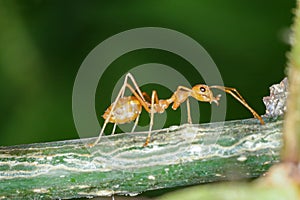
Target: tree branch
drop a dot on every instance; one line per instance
(177, 156)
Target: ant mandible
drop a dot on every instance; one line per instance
(128, 108)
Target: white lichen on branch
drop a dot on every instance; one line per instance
(276, 102)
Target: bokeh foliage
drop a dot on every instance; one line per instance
(43, 43)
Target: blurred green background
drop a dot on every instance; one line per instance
(43, 43)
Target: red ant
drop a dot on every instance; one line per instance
(129, 108)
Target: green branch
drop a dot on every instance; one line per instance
(178, 156)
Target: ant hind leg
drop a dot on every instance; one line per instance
(114, 129)
(135, 123)
(120, 94)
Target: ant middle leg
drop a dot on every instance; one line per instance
(154, 98)
(188, 111)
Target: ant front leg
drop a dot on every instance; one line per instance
(233, 92)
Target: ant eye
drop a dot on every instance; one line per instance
(202, 89)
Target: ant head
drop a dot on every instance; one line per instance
(203, 93)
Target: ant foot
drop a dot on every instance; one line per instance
(90, 145)
(147, 142)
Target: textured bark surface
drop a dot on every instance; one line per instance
(178, 156)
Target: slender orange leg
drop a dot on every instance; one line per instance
(145, 104)
(154, 98)
(129, 76)
(114, 129)
(186, 92)
(239, 97)
(141, 99)
(109, 115)
(139, 96)
(188, 111)
(135, 123)
(146, 97)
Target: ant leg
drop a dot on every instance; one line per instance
(141, 96)
(121, 92)
(242, 101)
(146, 97)
(130, 76)
(114, 129)
(144, 103)
(135, 123)
(120, 95)
(188, 111)
(153, 98)
(233, 92)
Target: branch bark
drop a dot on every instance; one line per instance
(177, 156)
